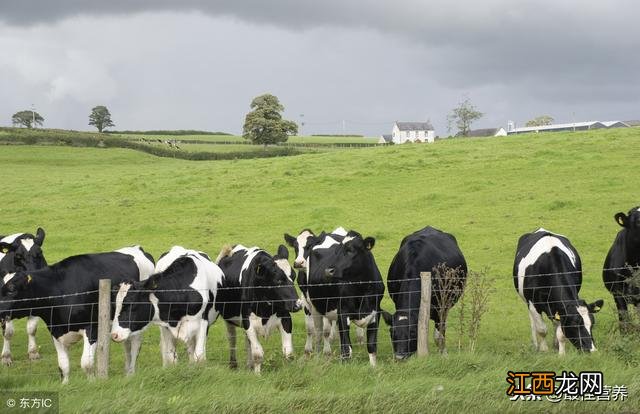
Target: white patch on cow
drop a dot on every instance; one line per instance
(403, 318)
(8, 277)
(70, 338)
(262, 329)
(165, 261)
(10, 239)
(249, 256)
(561, 339)
(542, 246)
(538, 329)
(302, 241)
(372, 360)
(339, 231)
(286, 268)
(366, 320)
(145, 266)
(120, 332)
(27, 243)
(584, 312)
(347, 239)
(326, 243)
(2, 255)
(332, 315)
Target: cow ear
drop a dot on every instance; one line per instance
(557, 316)
(39, 236)
(622, 219)
(369, 242)
(388, 318)
(4, 247)
(595, 306)
(289, 239)
(283, 252)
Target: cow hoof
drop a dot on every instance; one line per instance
(34, 355)
(233, 365)
(6, 360)
(308, 352)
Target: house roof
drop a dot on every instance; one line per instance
(483, 132)
(414, 126)
(387, 137)
(609, 124)
(633, 122)
(558, 126)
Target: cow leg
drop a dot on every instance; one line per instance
(326, 335)
(63, 359)
(7, 334)
(439, 332)
(317, 326)
(538, 329)
(168, 347)
(200, 352)
(345, 341)
(360, 335)
(556, 326)
(256, 353)
(308, 322)
(231, 337)
(561, 340)
(333, 333)
(286, 327)
(131, 349)
(191, 348)
(88, 355)
(623, 313)
(32, 348)
(372, 341)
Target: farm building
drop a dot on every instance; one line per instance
(633, 123)
(403, 132)
(573, 126)
(386, 139)
(486, 132)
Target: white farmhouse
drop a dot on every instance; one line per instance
(412, 132)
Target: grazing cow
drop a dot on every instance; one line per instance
(547, 273)
(344, 284)
(65, 295)
(622, 261)
(21, 251)
(179, 297)
(423, 251)
(257, 294)
(302, 245)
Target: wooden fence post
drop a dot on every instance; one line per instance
(104, 328)
(424, 314)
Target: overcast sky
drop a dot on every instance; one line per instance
(160, 64)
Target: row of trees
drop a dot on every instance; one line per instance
(99, 117)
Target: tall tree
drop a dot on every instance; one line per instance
(100, 118)
(27, 118)
(264, 124)
(540, 121)
(463, 116)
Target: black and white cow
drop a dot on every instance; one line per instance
(21, 251)
(179, 297)
(344, 284)
(423, 251)
(257, 294)
(547, 273)
(622, 261)
(65, 295)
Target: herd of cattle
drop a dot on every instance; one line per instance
(184, 292)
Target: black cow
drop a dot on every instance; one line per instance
(21, 251)
(622, 261)
(423, 251)
(64, 295)
(344, 284)
(179, 297)
(547, 273)
(257, 294)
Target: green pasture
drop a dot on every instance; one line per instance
(487, 192)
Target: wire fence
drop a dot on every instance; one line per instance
(80, 310)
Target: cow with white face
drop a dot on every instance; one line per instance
(64, 295)
(547, 273)
(21, 251)
(179, 297)
(622, 261)
(257, 294)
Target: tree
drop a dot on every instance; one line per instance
(264, 124)
(100, 118)
(462, 116)
(27, 118)
(540, 121)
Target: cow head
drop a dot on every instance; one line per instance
(351, 256)
(301, 245)
(403, 328)
(134, 308)
(22, 252)
(272, 284)
(17, 286)
(577, 324)
(631, 220)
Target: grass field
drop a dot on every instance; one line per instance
(487, 192)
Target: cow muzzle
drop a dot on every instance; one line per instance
(299, 264)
